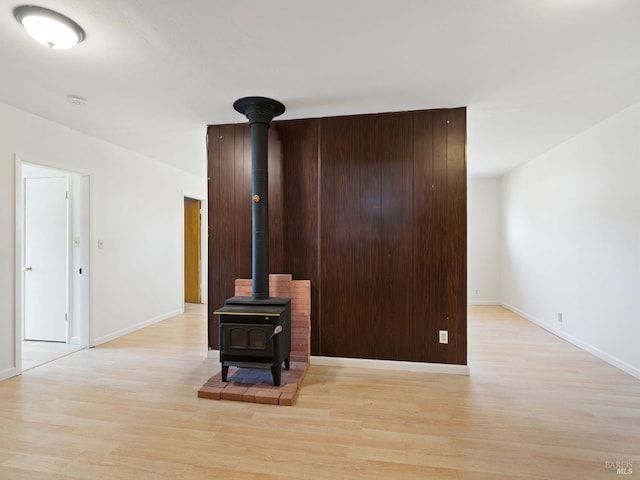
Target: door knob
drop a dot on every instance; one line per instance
(28, 269)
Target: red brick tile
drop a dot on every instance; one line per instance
(270, 397)
(287, 399)
(212, 393)
(215, 383)
(233, 393)
(250, 394)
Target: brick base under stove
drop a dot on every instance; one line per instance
(256, 384)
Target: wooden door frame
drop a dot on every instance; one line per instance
(203, 244)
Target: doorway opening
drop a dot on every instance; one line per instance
(54, 255)
(192, 250)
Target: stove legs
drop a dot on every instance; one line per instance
(276, 373)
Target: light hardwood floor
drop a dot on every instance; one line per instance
(37, 353)
(534, 407)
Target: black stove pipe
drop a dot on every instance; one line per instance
(259, 111)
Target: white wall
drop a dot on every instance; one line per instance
(136, 210)
(80, 259)
(483, 241)
(571, 233)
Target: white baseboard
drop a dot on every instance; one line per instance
(8, 373)
(610, 359)
(137, 326)
(378, 364)
(74, 341)
(390, 365)
(484, 302)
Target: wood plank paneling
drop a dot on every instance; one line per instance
(423, 238)
(299, 141)
(276, 221)
(443, 257)
(213, 253)
(350, 241)
(229, 215)
(372, 210)
(457, 232)
(366, 238)
(241, 243)
(396, 323)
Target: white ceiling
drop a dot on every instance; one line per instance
(532, 73)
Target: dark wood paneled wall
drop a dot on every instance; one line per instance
(372, 210)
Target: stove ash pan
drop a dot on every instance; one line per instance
(255, 334)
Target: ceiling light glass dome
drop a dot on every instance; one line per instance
(48, 27)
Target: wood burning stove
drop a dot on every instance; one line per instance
(256, 331)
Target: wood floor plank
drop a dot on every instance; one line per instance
(534, 407)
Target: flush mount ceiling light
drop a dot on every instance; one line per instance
(48, 27)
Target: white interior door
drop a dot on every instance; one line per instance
(45, 276)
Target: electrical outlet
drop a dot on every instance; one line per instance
(100, 244)
(560, 317)
(477, 291)
(443, 335)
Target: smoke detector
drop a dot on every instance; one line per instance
(76, 99)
